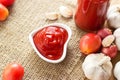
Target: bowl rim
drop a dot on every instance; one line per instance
(67, 28)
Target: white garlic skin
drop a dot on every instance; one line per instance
(52, 16)
(116, 70)
(66, 12)
(117, 36)
(97, 67)
(113, 16)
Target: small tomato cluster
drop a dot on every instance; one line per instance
(101, 41)
(3, 8)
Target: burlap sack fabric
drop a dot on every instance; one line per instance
(25, 16)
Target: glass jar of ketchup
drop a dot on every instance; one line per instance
(91, 14)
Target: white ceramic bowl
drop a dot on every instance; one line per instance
(67, 28)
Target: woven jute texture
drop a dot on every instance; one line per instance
(25, 16)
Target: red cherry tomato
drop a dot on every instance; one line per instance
(3, 12)
(13, 71)
(7, 2)
(90, 43)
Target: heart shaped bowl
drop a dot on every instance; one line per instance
(67, 28)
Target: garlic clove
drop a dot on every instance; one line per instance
(107, 41)
(52, 16)
(66, 12)
(116, 70)
(113, 16)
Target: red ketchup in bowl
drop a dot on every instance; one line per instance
(50, 41)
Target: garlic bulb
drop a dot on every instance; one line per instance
(117, 36)
(97, 67)
(113, 16)
(66, 12)
(117, 70)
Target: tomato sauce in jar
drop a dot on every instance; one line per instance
(91, 14)
(50, 41)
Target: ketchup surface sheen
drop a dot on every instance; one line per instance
(50, 41)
